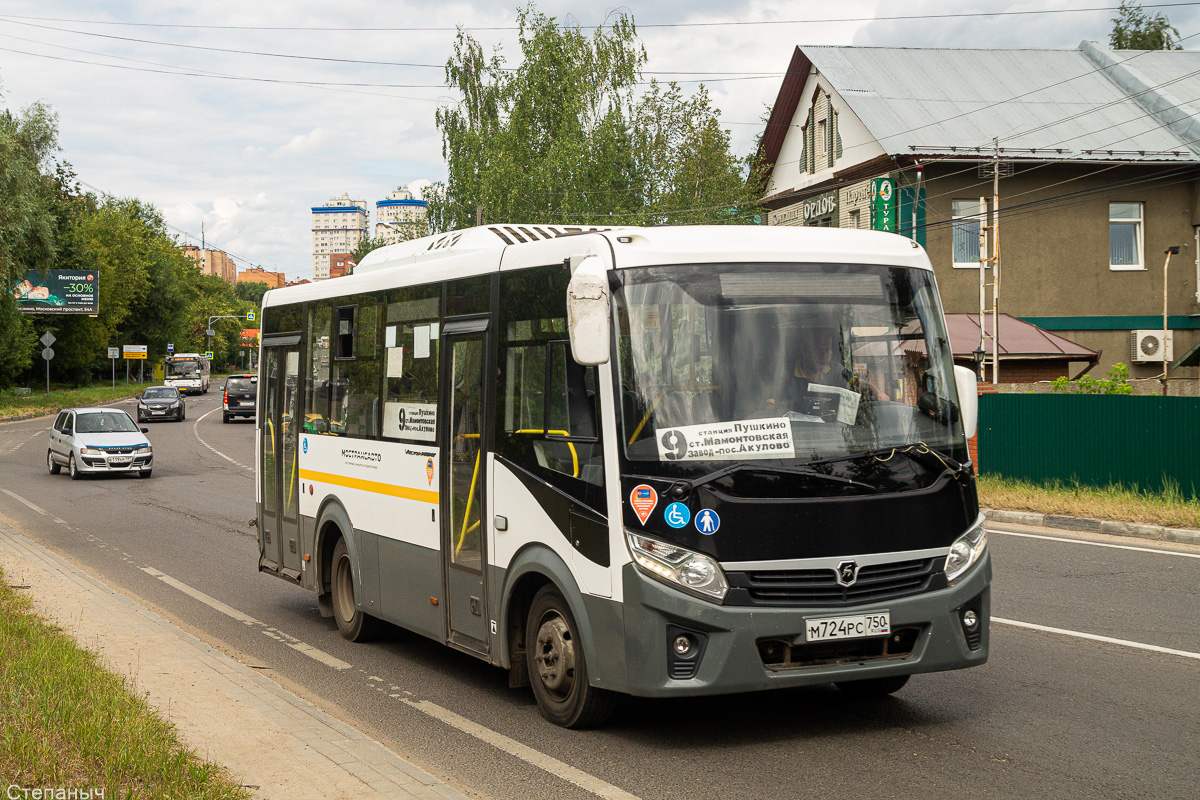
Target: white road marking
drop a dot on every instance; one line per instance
(196, 433)
(1097, 638)
(527, 754)
(246, 619)
(20, 499)
(1096, 544)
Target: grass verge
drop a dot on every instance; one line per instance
(1170, 507)
(66, 722)
(38, 402)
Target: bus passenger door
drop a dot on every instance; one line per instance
(464, 465)
(279, 540)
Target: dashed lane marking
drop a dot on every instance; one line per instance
(246, 619)
(527, 754)
(20, 499)
(196, 433)
(1097, 638)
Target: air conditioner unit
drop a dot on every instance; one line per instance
(1151, 346)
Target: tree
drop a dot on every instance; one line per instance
(251, 292)
(1134, 29)
(562, 138)
(28, 142)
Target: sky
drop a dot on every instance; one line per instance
(184, 106)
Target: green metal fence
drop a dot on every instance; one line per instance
(1096, 439)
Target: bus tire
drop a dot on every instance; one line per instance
(557, 666)
(352, 623)
(873, 687)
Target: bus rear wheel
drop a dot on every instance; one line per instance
(352, 623)
(557, 666)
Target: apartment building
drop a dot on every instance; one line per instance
(259, 275)
(396, 216)
(337, 227)
(213, 262)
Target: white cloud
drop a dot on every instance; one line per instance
(250, 158)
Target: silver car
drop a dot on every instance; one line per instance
(94, 440)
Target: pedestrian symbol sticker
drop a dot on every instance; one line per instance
(677, 515)
(707, 522)
(643, 498)
(429, 471)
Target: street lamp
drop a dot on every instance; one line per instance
(979, 354)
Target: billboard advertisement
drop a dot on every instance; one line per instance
(59, 291)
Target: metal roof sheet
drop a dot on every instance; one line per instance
(1057, 103)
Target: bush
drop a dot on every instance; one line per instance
(1117, 382)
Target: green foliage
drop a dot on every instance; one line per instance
(1134, 29)
(251, 292)
(562, 138)
(1117, 382)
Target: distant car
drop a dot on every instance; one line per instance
(240, 397)
(161, 402)
(94, 440)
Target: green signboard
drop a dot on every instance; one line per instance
(883, 204)
(59, 291)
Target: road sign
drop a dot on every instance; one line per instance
(114, 352)
(47, 339)
(170, 347)
(210, 332)
(250, 317)
(47, 354)
(135, 351)
(208, 354)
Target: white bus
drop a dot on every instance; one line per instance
(654, 462)
(187, 372)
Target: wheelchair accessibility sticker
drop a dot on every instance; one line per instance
(304, 444)
(677, 515)
(707, 522)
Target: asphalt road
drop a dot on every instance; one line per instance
(1051, 715)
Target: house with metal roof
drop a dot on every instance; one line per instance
(1073, 170)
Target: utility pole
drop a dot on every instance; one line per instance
(994, 260)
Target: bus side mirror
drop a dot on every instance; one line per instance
(968, 399)
(588, 312)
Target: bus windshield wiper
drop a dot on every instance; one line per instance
(683, 486)
(919, 452)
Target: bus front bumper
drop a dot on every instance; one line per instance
(749, 648)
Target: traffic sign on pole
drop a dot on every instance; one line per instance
(250, 316)
(170, 347)
(47, 354)
(47, 338)
(208, 354)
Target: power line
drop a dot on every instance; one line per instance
(735, 23)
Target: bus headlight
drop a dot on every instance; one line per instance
(966, 552)
(687, 569)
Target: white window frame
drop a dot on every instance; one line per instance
(980, 218)
(1139, 226)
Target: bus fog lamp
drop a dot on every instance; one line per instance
(970, 618)
(682, 645)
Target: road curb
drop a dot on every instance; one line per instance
(1135, 529)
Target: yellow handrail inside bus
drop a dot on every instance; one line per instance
(661, 394)
(470, 499)
(570, 445)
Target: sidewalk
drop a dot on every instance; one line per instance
(285, 747)
(1136, 529)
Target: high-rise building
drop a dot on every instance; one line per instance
(337, 227)
(213, 262)
(395, 214)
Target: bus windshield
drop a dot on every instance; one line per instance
(183, 368)
(780, 364)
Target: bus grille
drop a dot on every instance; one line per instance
(819, 587)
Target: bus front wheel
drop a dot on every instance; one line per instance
(351, 621)
(557, 667)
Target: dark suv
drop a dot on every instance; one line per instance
(241, 397)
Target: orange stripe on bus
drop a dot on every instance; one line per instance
(420, 495)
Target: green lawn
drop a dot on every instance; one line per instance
(67, 723)
(1121, 504)
(38, 402)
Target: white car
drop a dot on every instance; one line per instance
(90, 441)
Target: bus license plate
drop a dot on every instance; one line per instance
(856, 627)
(120, 461)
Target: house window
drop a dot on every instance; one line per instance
(967, 220)
(821, 151)
(856, 218)
(1125, 236)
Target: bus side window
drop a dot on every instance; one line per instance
(356, 384)
(410, 353)
(316, 400)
